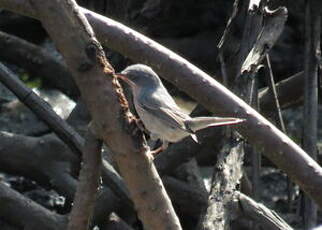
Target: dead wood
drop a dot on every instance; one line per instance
(104, 98)
(293, 160)
(38, 62)
(25, 213)
(88, 185)
(312, 57)
(267, 218)
(41, 109)
(53, 165)
(226, 176)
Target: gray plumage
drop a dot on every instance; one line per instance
(159, 113)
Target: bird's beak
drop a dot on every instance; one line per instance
(124, 78)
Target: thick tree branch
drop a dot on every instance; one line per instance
(259, 213)
(38, 62)
(25, 213)
(88, 184)
(59, 126)
(310, 122)
(289, 157)
(53, 164)
(216, 98)
(103, 97)
(41, 109)
(226, 177)
(290, 92)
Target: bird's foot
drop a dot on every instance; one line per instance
(139, 126)
(156, 151)
(160, 149)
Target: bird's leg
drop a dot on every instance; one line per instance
(163, 147)
(156, 151)
(139, 126)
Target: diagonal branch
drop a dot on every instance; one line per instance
(41, 109)
(61, 128)
(272, 88)
(290, 92)
(104, 98)
(54, 165)
(286, 154)
(38, 62)
(27, 214)
(269, 219)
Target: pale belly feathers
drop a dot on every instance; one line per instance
(158, 128)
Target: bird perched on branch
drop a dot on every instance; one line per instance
(159, 113)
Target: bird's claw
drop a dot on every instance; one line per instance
(138, 126)
(160, 149)
(156, 151)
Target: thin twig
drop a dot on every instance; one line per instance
(271, 85)
(278, 115)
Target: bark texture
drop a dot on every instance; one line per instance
(105, 101)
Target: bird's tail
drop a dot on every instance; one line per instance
(198, 123)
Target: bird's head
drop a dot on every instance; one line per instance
(140, 76)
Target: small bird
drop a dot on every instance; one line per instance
(158, 111)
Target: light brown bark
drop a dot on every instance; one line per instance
(104, 99)
(288, 156)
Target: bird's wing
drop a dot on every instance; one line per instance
(167, 111)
